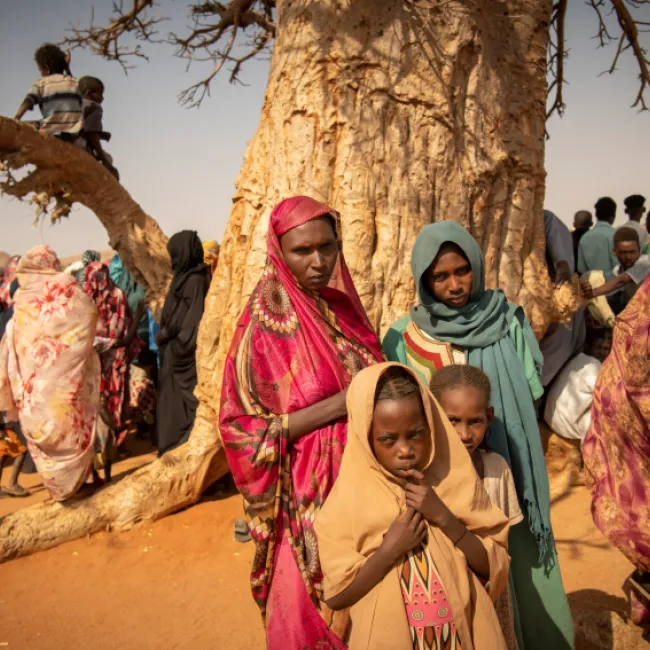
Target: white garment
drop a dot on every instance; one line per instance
(568, 407)
(74, 267)
(639, 271)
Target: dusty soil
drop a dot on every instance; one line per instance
(182, 583)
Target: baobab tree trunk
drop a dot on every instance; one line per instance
(397, 113)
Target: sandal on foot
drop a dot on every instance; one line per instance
(242, 534)
(16, 491)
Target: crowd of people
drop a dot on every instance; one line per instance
(396, 490)
(79, 371)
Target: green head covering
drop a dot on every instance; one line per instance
(484, 319)
(135, 293)
(482, 327)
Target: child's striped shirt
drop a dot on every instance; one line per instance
(60, 102)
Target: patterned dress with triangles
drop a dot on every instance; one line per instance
(428, 611)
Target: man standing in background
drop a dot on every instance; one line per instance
(583, 220)
(561, 341)
(596, 248)
(634, 209)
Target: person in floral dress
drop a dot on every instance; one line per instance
(49, 371)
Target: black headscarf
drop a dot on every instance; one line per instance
(186, 252)
(7, 314)
(179, 328)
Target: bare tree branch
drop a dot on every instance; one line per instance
(628, 15)
(215, 35)
(557, 54)
(212, 21)
(109, 41)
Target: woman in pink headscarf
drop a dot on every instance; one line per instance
(49, 372)
(300, 340)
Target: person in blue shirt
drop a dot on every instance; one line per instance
(596, 248)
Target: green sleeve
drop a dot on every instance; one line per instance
(393, 342)
(529, 354)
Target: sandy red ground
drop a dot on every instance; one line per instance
(182, 582)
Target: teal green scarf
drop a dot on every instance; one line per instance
(135, 293)
(481, 327)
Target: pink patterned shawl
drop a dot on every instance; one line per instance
(291, 349)
(616, 449)
(49, 371)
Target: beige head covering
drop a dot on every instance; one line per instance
(366, 499)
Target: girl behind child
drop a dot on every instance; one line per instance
(408, 537)
(464, 395)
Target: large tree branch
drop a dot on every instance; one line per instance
(67, 174)
(168, 484)
(178, 479)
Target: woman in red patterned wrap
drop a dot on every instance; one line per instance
(299, 342)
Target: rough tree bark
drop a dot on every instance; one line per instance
(398, 114)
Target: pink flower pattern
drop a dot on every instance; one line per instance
(49, 371)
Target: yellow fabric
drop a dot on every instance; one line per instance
(366, 499)
(211, 254)
(599, 307)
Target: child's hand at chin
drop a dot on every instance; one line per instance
(423, 498)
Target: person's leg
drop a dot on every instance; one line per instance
(13, 488)
(3, 460)
(108, 457)
(16, 469)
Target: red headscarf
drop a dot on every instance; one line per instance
(113, 323)
(292, 348)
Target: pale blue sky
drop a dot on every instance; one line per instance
(181, 164)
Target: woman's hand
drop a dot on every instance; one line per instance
(422, 497)
(407, 532)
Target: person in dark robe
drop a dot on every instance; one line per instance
(8, 312)
(176, 340)
(561, 341)
(583, 220)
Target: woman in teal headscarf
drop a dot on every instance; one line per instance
(143, 371)
(459, 321)
(135, 293)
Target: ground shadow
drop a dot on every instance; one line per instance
(594, 613)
